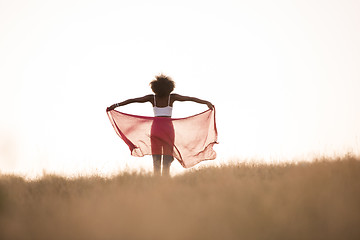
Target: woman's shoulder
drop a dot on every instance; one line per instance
(178, 97)
(175, 96)
(149, 97)
(145, 98)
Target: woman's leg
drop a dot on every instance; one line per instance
(167, 160)
(157, 164)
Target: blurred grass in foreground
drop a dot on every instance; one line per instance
(319, 200)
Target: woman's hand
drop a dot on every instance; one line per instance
(209, 104)
(112, 107)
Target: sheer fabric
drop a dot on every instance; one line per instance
(190, 140)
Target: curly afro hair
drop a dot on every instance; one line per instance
(162, 85)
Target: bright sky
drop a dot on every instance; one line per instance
(284, 77)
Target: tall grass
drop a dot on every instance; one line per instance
(318, 200)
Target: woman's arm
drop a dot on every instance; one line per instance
(178, 97)
(143, 99)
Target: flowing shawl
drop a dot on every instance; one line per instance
(190, 140)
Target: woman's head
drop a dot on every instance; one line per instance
(162, 85)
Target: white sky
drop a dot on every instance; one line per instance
(284, 77)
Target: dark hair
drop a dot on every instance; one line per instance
(162, 85)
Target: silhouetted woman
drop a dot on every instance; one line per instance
(162, 103)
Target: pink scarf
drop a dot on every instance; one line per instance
(190, 140)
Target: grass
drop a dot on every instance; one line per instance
(318, 200)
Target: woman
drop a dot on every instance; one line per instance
(162, 102)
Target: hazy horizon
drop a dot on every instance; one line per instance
(284, 77)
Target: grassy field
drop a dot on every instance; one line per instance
(319, 200)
